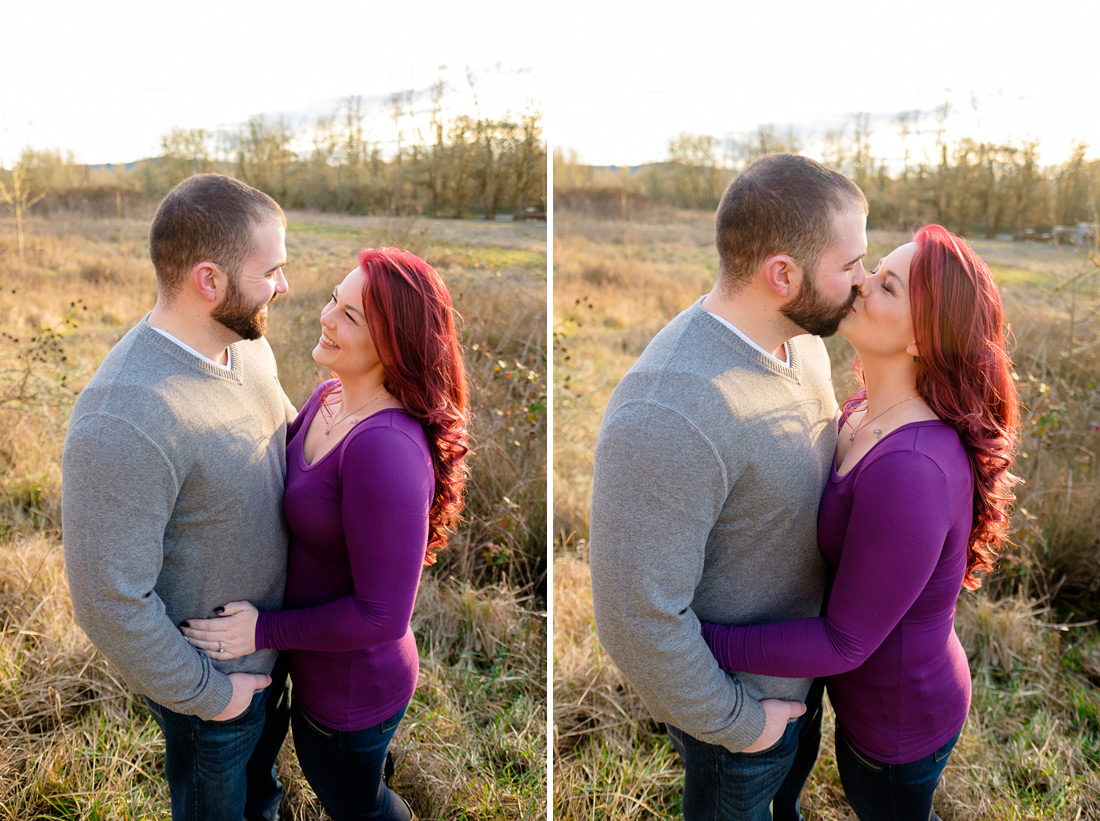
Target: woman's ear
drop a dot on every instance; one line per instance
(913, 350)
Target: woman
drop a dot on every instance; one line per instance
(915, 509)
(376, 464)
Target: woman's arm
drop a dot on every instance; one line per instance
(900, 519)
(387, 485)
(386, 490)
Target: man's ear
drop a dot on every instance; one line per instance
(783, 275)
(208, 280)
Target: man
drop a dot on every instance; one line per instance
(172, 495)
(712, 456)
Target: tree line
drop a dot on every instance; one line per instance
(463, 166)
(974, 187)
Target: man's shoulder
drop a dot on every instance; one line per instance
(133, 386)
(128, 366)
(690, 349)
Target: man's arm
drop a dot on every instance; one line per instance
(658, 490)
(118, 492)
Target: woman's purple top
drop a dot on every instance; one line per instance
(358, 520)
(894, 530)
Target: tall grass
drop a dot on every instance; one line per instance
(74, 742)
(1031, 747)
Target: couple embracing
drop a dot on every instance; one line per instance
(209, 526)
(751, 542)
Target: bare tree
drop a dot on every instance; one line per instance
(19, 197)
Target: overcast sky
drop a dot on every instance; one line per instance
(107, 79)
(628, 77)
(615, 81)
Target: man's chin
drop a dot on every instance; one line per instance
(248, 330)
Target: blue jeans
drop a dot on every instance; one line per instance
(225, 770)
(344, 767)
(724, 786)
(890, 792)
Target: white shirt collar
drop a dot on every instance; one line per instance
(786, 349)
(228, 353)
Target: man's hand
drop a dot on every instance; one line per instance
(245, 686)
(778, 713)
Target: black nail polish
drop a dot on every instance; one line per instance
(219, 610)
(185, 623)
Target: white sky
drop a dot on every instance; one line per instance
(625, 78)
(106, 79)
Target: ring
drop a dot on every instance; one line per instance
(220, 647)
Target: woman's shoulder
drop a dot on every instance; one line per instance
(390, 447)
(388, 428)
(929, 444)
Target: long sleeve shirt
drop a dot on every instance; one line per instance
(358, 518)
(894, 530)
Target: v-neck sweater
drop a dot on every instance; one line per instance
(708, 471)
(171, 503)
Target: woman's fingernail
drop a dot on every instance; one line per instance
(185, 623)
(219, 610)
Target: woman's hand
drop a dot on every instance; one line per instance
(230, 636)
(778, 713)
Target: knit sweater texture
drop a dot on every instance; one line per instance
(708, 470)
(172, 492)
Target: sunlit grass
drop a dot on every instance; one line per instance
(1031, 748)
(74, 742)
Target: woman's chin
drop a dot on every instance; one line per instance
(321, 356)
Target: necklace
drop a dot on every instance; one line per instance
(877, 431)
(340, 419)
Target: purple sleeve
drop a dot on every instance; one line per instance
(895, 535)
(386, 489)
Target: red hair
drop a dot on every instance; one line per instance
(965, 377)
(411, 321)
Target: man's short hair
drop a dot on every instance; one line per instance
(781, 204)
(207, 218)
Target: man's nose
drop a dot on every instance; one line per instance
(281, 286)
(858, 276)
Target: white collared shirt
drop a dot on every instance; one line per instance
(786, 361)
(228, 366)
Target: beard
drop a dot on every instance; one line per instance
(811, 312)
(245, 320)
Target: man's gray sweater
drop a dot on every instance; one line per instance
(708, 470)
(172, 487)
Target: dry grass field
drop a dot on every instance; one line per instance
(1031, 747)
(74, 742)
